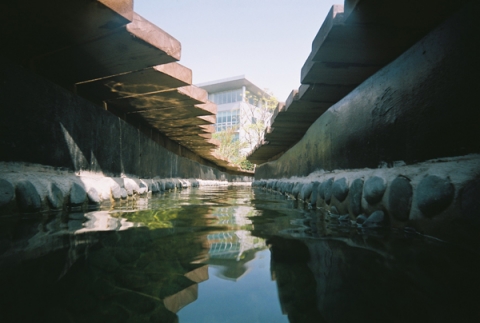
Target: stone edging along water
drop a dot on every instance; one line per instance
(39, 188)
(420, 195)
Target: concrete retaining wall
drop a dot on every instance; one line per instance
(44, 124)
(423, 105)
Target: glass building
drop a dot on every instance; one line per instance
(239, 107)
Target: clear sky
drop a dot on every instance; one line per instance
(268, 41)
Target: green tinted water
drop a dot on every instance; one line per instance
(227, 255)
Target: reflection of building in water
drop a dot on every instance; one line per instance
(229, 251)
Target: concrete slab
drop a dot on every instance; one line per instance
(153, 79)
(180, 97)
(353, 43)
(138, 45)
(30, 29)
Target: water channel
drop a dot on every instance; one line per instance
(227, 254)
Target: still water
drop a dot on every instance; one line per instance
(227, 254)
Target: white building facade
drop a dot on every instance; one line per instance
(241, 109)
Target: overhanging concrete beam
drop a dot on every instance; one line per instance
(153, 79)
(138, 45)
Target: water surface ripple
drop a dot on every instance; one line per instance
(227, 254)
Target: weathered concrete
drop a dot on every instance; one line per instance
(421, 106)
(351, 45)
(50, 126)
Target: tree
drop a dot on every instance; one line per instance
(230, 147)
(255, 113)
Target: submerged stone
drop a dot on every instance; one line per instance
(356, 190)
(400, 198)
(340, 189)
(361, 219)
(434, 194)
(28, 198)
(77, 194)
(376, 220)
(344, 218)
(373, 189)
(55, 197)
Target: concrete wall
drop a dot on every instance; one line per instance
(423, 105)
(44, 124)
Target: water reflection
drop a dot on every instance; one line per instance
(202, 256)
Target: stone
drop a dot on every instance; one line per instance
(7, 192)
(340, 189)
(470, 201)
(123, 193)
(93, 196)
(274, 185)
(328, 190)
(116, 191)
(306, 191)
(77, 194)
(314, 195)
(289, 188)
(169, 185)
(28, 198)
(355, 199)
(373, 189)
(296, 189)
(269, 185)
(161, 186)
(144, 185)
(400, 198)
(334, 210)
(361, 219)
(434, 194)
(376, 220)
(324, 187)
(344, 218)
(55, 197)
(130, 185)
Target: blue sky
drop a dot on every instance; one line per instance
(268, 41)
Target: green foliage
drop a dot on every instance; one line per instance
(247, 165)
(255, 116)
(229, 147)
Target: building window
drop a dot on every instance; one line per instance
(228, 120)
(226, 96)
